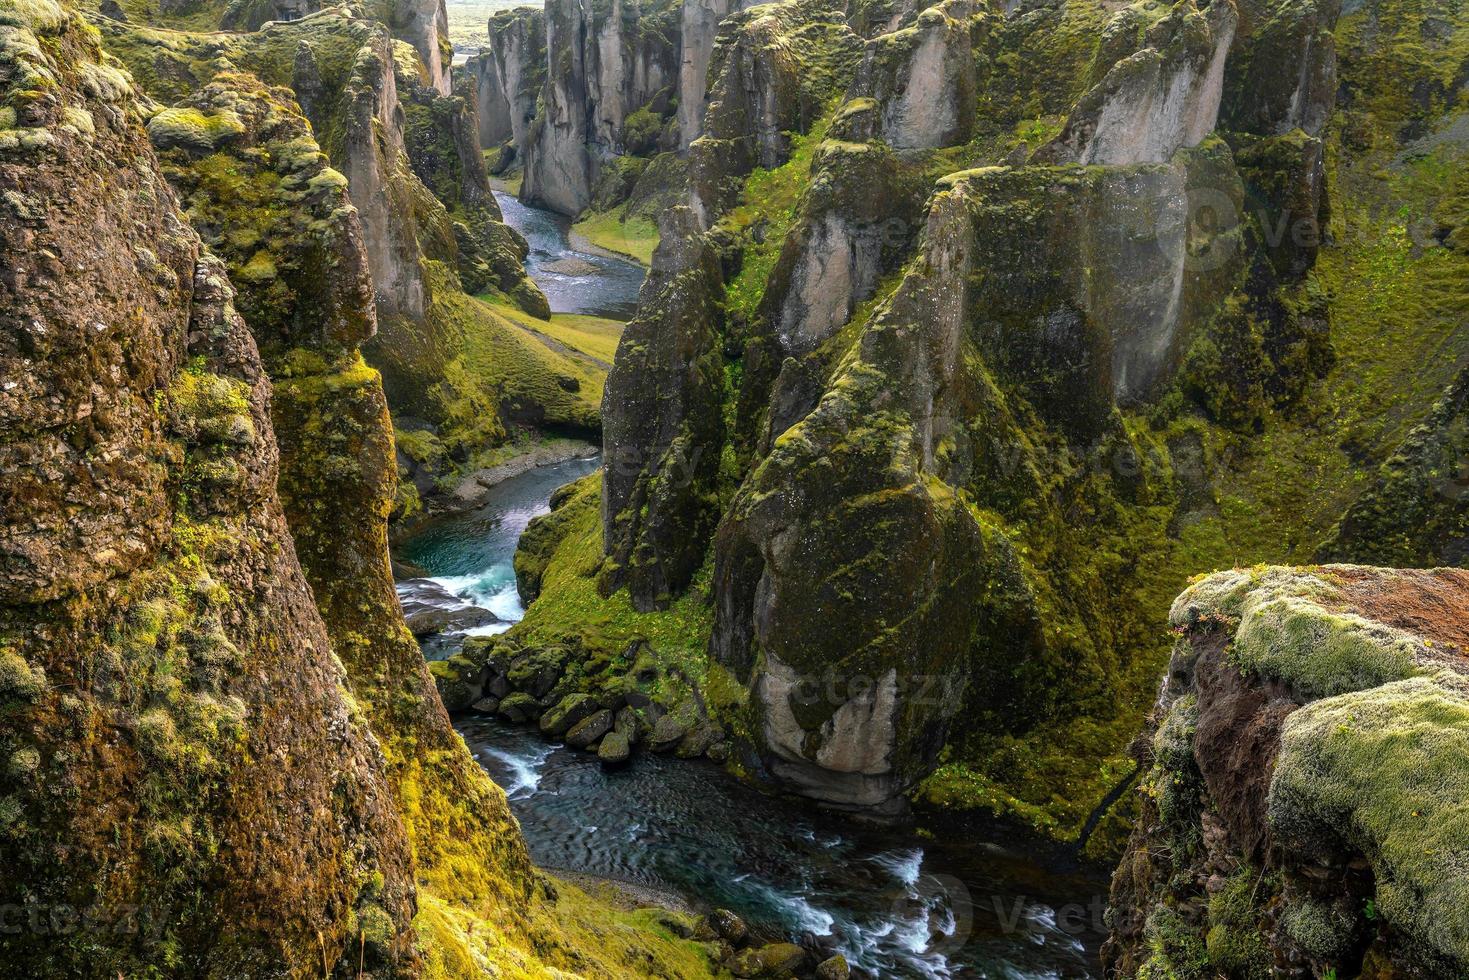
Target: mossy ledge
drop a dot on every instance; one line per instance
(1310, 741)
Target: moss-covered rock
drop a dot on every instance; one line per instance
(1322, 775)
(143, 671)
(923, 77)
(664, 424)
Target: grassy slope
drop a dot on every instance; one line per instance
(593, 336)
(634, 237)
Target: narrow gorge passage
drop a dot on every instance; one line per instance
(892, 903)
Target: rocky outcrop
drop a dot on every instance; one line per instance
(510, 75)
(701, 24)
(854, 717)
(846, 240)
(1283, 75)
(440, 135)
(1304, 780)
(1162, 97)
(181, 738)
(663, 424)
(774, 70)
(425, 25)
(375, 161)
(1085, 338)
(608, 63)
(923, 78)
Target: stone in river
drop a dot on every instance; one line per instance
(835, 968)
(615, 750)
(589, 729)
(569, 712)
(520, 708)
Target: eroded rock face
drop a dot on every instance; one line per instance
(425, 25)
(847, 239)
(1284, 71)
(1302, 707)
(375, 159)
(700, 26)
(510, 75)
(923, 78)
(663, 422)
(1086, 337)
(606, 64)
(774, 69)
(163, 661)
(1158, 99)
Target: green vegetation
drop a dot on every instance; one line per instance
(596, 337)
(635, 237)
(1235, 941)
(1383, 771)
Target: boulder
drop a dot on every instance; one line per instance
(835, 968)
(460, 680)
(627, 723)
(569, 712)
(588, 730)
(667, 733)
(615, 749)
(538, 671)
(697, 741)
(729, 927)
(486, 706)
(775, 960)
(520, 708)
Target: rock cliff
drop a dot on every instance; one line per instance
(608, 62)
(997, 380)
(153, 599)
(510, 76)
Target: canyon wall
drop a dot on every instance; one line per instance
(1018, 311)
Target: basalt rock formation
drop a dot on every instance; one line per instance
(999, 375)
(609, 63)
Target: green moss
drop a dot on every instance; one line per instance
(1323, 931)
(1381, 772)
(193, 130)
(1237, 947)
(19, 681)
(1318, 653)
(1176, 951)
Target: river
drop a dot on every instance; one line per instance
(946, 904)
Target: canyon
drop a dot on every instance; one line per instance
(993, 447)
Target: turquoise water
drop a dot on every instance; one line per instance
(972, 902)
